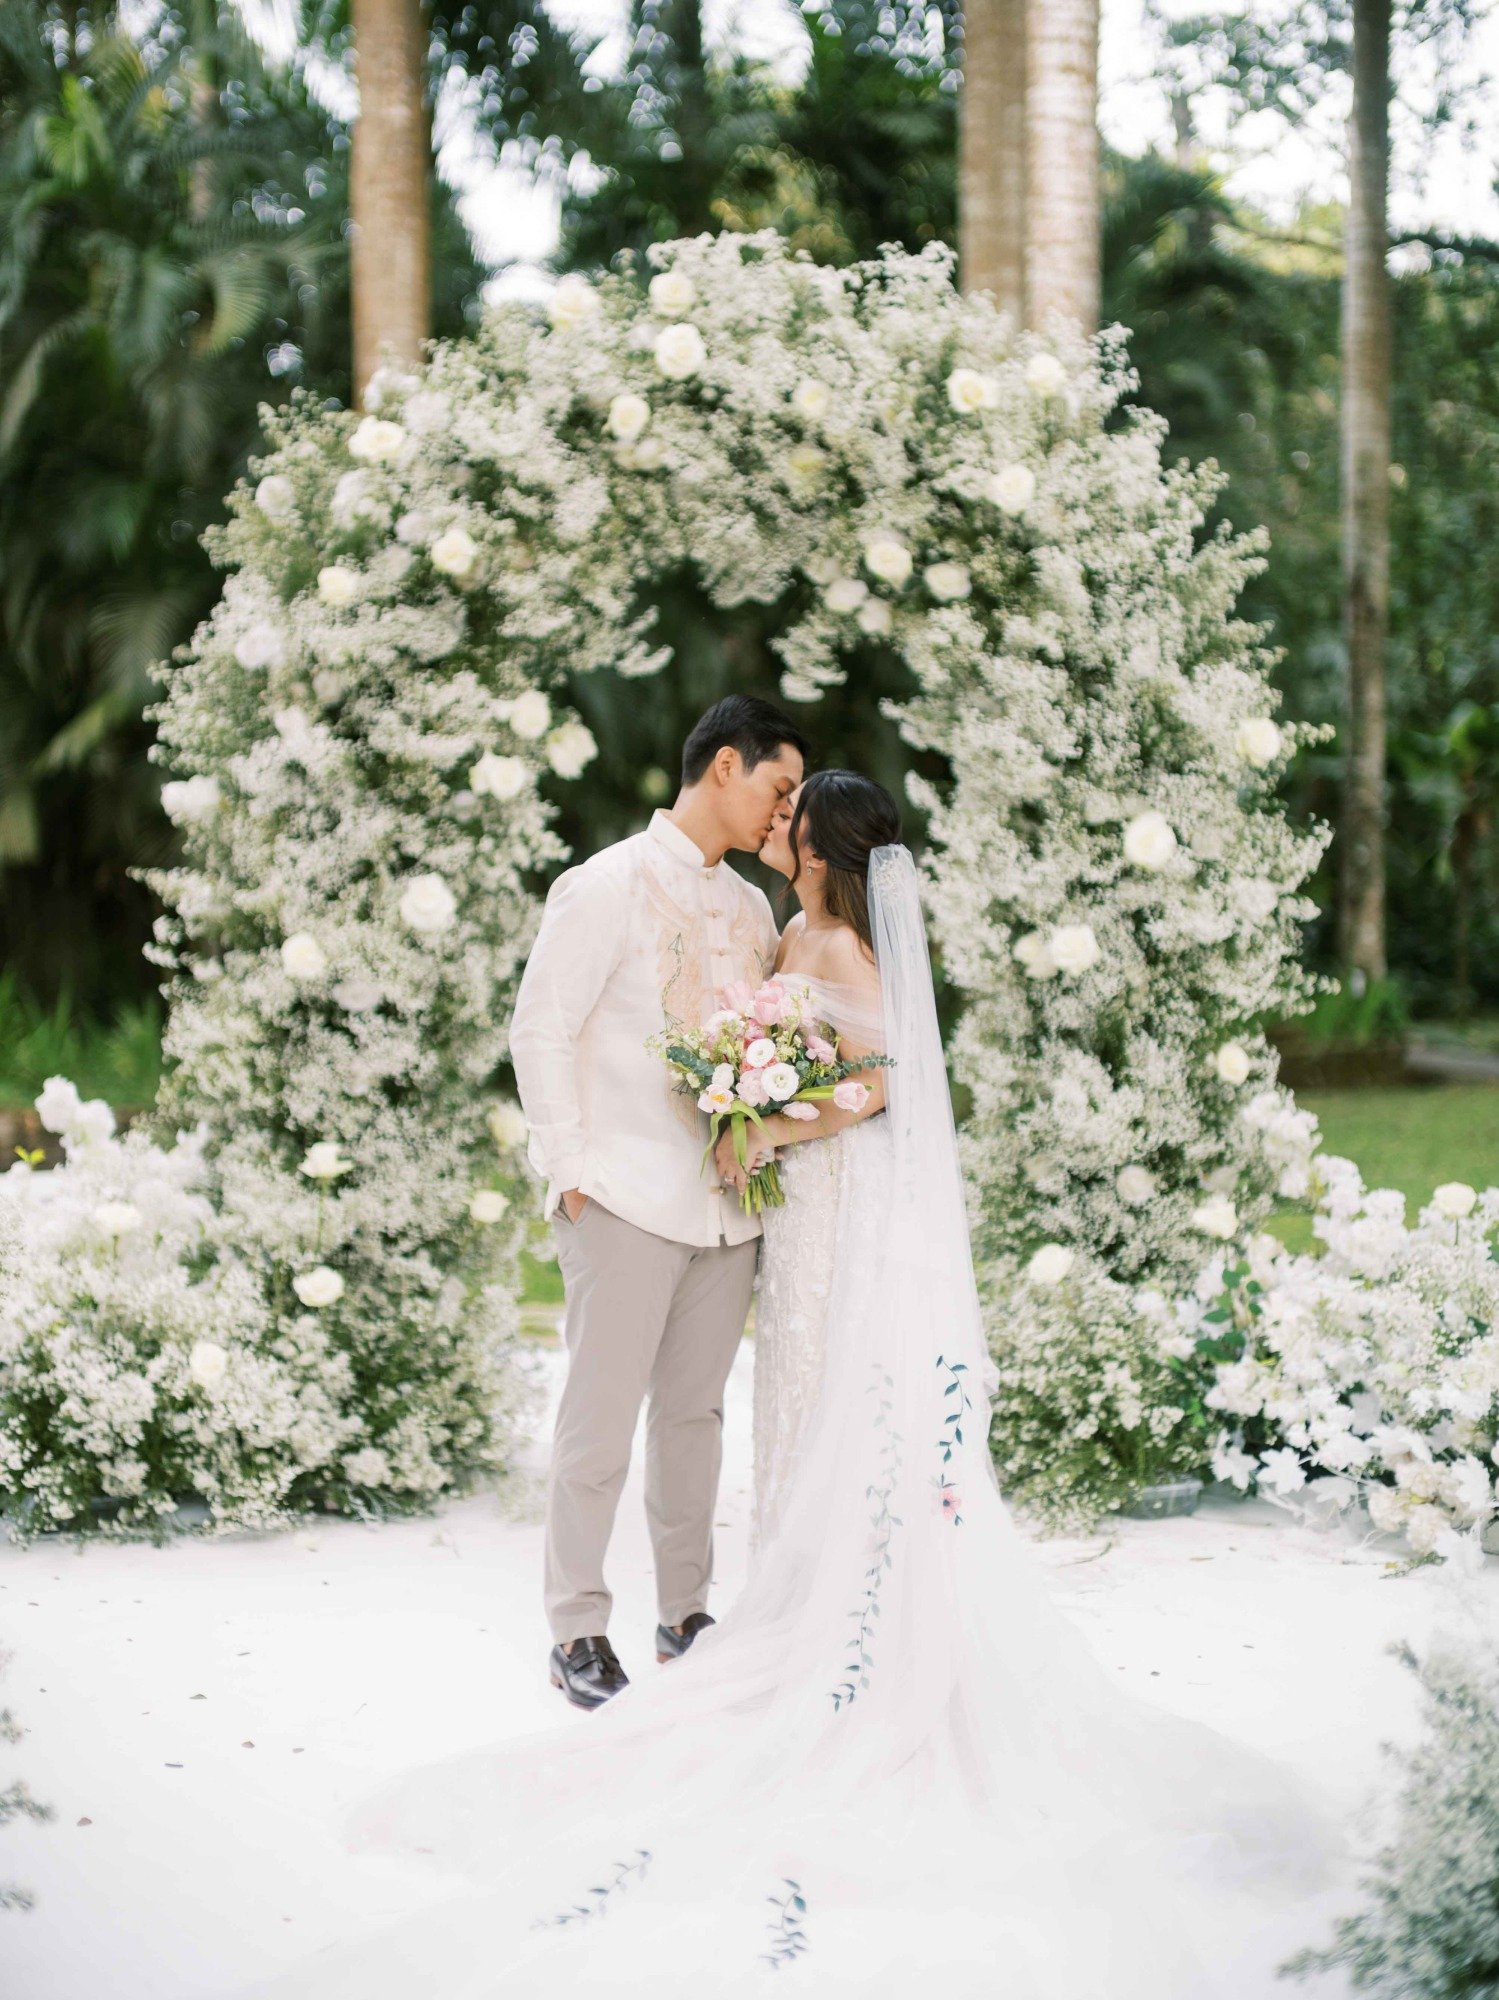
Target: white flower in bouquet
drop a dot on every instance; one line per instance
(887, 557)
(367, 1467)
(377, 439)
(1074, 947)
(318, 1287)
(337, 585)
(571, 748)
(275, 496)
(1034, 953)
(672, 294)
(573, 302)
(358, 996)
(1045, 375)
(187, 799)
(811, 399)
(760, 1054)
(1149, 841)
(114, 1219)
(428, 904)
(1454, 1199)
(455, 553)
(1217, 1217)
(874, 617)
(207, 1363)
(507, 1124)
(323, 1162)
(499, 777)
(1232, 1062)
(845, 594)
(781, 1081)
(1050, 1264)
(1136, 1186)
(303, 957)
(1013, 488)
(968, 390)
(1257, 740)
(261, 646)
(949, 582)
(628, 416)
(488, 1205)
(679, 351)
(530, 715)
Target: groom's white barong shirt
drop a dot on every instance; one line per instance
(639, 937)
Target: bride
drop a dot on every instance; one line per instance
(894, 1761)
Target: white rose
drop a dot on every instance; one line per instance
(428, 904)
(672, 294)
(887, 557)
(500, 777)
(190, 798)
(1454, 1199)
(679, 351)
(1232, 1062)
(530, 714)
(319, 1286)
(507, 1124)
(337, 586)
(1074, 947)
(377, 438)
(1046, 375)
(875, 617)
(948, 581)
(1035, 954)
(571, 748)
(114, 1219)
(572, 302)
(811, 399)
(1013, 488)
(845, 594)
(274, 496)
(206, 1363)
(260, 647)
(968, 390)
(303, 956)
(628, 416)
(1050, 1264)
(1257, 741)
(368, 1467)
(488, 1205)
(1136, 1186)
(1149, 840)
(1217, 1217)
(322, 1161)
(455, 553)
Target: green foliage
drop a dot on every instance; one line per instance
(1352, 1019)
(120, 1061)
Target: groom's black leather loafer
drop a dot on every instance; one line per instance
(671, 1644)
(589, 1674)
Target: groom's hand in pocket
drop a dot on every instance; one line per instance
(573, 1201)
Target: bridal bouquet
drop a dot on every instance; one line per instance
(764, 1050)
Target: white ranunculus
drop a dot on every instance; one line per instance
(672, 294)
(530, 714)
(1149, 841)
(1074, 947)
(275, 496)
(845, 594)
(318, 1287)
(1050, 1264)
(207, 1363)
(261, 646)
(378, 439)
(571, 748)
(1013, 488)
(488, 1205)
(500, 777)
(1136, 1186)
(887, 557)
(811, 399)
(1454, 1199)
(1232, 1063)
(1046, 375)
(573, 301)
(948, 581)
(1217, 1217)
(323, 1161)
(875, 617)
(186, 799)
(1035, 954)
(358, 996)
(628, 416)
(303, 956)
(337, 585)
(1257, 740)
(428, 904)
(114, 1219)
(679, 351)
(781, 1082)
(367, 1467)
(455, 553)
(968, 390)
(507, 1124)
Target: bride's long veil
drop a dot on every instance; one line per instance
(894, 1760)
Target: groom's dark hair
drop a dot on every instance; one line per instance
(754, 727)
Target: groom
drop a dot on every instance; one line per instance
(658, 1259)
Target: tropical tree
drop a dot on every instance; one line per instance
(389, 185)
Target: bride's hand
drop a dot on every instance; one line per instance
(758, 1149)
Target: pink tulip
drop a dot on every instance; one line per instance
(738, 996)
(851, 1095)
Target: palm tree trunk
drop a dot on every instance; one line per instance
(991, 164)
(1061, 153)
(390, 255)
(1366, 491)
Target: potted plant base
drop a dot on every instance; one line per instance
(1164, 1497)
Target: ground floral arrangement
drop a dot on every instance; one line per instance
(355, 738)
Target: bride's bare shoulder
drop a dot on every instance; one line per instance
(789, 937)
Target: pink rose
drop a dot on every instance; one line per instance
(737, 996)
(769, 1004)
(851, 1095)
(821, 1051)
(760, 1054)
(801, 1111)
(751, 1087)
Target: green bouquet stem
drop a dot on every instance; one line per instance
(763, 1189)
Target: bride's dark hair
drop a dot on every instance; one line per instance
(843, 816)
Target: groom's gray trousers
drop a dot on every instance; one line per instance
(643, 1314)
